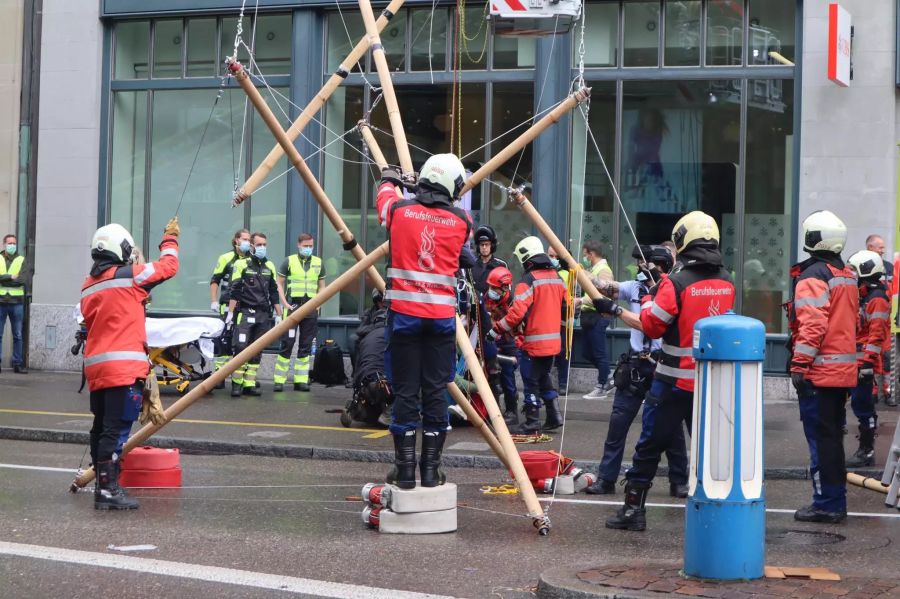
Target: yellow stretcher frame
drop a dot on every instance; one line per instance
(175, 373)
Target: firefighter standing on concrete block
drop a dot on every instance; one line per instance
(115, 351)
(426, 234)
(822, 316)
(539, 301)
(699, 288)
(874, 328)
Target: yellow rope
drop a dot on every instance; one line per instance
(571, 281)
(541, 438)
(500, 490)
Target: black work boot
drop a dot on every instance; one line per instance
(430, 459)
(236, 389)
(532, 422)
(679, 490)
(278, 387)
(510, 413)
(632, 515)
(554, 418)
(865, 455)
(403, 474)
(811, 513)
(602, 487)
(108, 495)
(252, 391)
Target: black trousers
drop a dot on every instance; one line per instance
(823, 413)
(422, 362)
(626, 405)
(303, 334)
(115, 409)
(250, 325)
(538, 381)
(666, 409)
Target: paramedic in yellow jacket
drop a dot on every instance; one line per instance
(300, 278)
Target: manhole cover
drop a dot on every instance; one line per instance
(802, 537)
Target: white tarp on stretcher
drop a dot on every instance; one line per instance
(169, 332)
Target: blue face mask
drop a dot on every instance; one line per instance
(260, 252)
(493, 294)
(306, 252)
(554, 262)
(11, 248)
(244, 246)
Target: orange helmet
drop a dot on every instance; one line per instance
(500, 277)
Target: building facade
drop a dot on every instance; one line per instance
(719, 105)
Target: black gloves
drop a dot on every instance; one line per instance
(604, 305)
(798, 379)
(391, 175)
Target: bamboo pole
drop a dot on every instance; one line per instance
(584, 279)
(374, 148)
(315, 105)
(387, 86)
(478, 422)
(272, 335)
(306, 174)
(867, 482)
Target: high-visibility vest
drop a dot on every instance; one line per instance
(303, 283)
(600, 270)
(14, 268)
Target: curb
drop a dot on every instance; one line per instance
(208, 446)
(562, 583)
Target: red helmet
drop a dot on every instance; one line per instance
(500, 277)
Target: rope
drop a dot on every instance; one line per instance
(200, 145)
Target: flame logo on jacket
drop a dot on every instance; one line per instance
(715, 309)
(426, 249)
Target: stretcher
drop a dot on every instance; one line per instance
(181, 348)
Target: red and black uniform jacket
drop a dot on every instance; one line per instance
(427, 234)
(874, 325)
(823, 321)
(112, 302)
(539, 300)
(700, 289)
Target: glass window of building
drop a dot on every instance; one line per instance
(201, 48)
(429, 39)
(771, 32)
(168, 48)
(683, 34)
(344, 30)
(472, 38)
(602, 34)
(641, 33)
(394, 39)
(511, 52)
(272, 44)
(132, 51)
(768, 200)
(724, 32)
(128, 161)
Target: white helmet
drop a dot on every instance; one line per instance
(867, 263)
(113, 238)
(694, 226)
(824, 231)
(528, 248)
(444, 172)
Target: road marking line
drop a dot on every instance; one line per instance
(261, 580)
(44, 468)
(681, 506)
(371, 433)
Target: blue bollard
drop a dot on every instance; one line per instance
(725, 516)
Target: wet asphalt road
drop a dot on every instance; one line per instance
(293, 517)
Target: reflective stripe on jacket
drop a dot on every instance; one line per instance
(680, 301)
(303, 283)
(115, 351)
(539, 301)
(15, 267)
(826, 308)
(874, 325)
(426, 241)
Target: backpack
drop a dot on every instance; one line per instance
(328, 367)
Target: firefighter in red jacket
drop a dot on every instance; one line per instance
(822, 316)
(427, 234)
(115, 352)
(700, 286)
(874, 329)
(539, 301)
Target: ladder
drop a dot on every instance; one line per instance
(891, 476)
